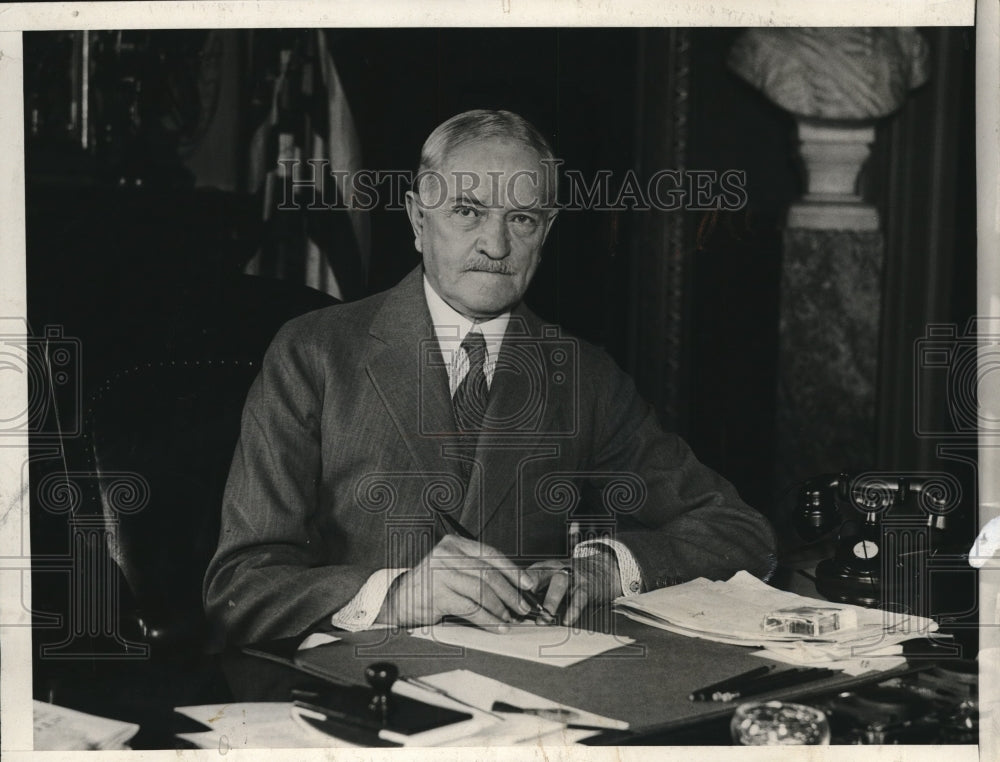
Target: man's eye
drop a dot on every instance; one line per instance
(524, 221)
(469, 212)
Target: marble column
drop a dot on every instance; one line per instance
(828, 352)
(837, 83)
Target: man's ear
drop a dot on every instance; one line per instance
(417, 217)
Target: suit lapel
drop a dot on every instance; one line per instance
(405, 365)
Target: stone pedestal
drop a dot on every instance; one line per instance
(833, 155)
(828, 344)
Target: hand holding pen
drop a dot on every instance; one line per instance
(464, 578)
(585, 581)
(582, 582)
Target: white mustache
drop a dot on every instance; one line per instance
(490, 266)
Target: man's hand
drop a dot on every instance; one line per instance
(462, 578)
(591, 580)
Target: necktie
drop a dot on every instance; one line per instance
(469, 400)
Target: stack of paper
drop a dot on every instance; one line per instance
(59, 728)
(733, 611)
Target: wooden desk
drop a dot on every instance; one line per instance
(646, 684)
(648, 689)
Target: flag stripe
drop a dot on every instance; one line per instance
(308, 118)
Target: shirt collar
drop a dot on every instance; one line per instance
(450, 327)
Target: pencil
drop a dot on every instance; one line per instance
(461, 531)
(704, 694)
(787, 679)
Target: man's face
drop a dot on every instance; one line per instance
(480, 225)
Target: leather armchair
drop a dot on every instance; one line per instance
(163, 429)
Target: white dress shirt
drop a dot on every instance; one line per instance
(450, 328)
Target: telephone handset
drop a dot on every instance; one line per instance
(854, 507)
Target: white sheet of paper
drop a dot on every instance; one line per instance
(59, 728)
(483, 729)
(521, 730)
(554, 645)
(850, 666)
(481, 691)
(317, 639)
(252, 725)
(495, 730)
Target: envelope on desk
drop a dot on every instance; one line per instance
(514, 729)
(251, 725)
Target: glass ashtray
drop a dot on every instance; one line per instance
(778, 723)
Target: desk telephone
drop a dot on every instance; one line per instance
(864, 569)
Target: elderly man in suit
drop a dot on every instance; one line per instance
(437, 450)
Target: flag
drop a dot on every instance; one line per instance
(304, 154)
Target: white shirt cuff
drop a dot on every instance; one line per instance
(628, 569)
(360, 612)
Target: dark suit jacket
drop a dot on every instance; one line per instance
(348, 452)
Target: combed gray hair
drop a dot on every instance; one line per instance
(485, 124)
